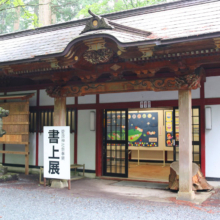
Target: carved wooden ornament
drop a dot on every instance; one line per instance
(162, 84)
(95, 23)
(98, 56)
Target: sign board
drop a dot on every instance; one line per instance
(57, 152)
(141, 104)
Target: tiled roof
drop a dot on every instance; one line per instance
(164, 24)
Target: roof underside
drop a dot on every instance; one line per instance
(164, 25)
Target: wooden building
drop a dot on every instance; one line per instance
(167, 55)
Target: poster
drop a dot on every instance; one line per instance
(169, 128)
(57, 152)
(143, 129)
(177, 125)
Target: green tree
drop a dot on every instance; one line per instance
(66, 10)
(9, 14)
(25, 13)
(109, 6)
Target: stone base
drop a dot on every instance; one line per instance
(59, 183)
(3, 170)
(186, 196)
(8, 177)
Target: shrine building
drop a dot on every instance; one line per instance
(128, 84)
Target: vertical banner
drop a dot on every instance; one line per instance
(169, 128)
(57, 152)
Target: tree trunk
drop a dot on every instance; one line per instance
(44, 12)
(17, 20)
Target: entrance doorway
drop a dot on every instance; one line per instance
(115, 150)
(150, 142)
(138, 142)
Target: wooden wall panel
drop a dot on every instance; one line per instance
(16, 124)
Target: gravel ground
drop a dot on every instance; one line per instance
(28, 201)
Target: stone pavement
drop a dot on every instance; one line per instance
(101, 199)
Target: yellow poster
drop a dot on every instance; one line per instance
(168, 116)
(169, 127)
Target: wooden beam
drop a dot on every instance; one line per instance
(14, 152)
(26, 159)
(191, 81)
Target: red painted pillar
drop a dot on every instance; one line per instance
(202, 125)
(37, 127)
(3, 146)
(99, 138)
(75, 133)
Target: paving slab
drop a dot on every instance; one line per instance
(149, 185)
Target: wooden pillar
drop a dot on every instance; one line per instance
(185, 146)
(26, 159)
(59, 111)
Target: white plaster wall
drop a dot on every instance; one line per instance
(212, 88)
(32, 148)
(87, 99)
(86, 141)
(196, 93)
(41, 150)
(70, 100)
(212, 145)
(72, 148)
(45, 99)
(142, 96)
(32, 100)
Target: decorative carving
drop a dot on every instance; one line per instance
(3, 113)
(162, 84)
(88, 78)
(99, 56)
(146, 73)
(95, 23)
(95, 44)
(54, 91)
(115, 67)
(115, 76)
(147, 50)
(7, 70)
(188, 81)
(217, 42)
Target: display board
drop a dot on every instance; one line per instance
(169, 128)
(57, 152)
(143, 129)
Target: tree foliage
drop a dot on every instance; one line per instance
(109, 6)
(26, 12)
(9, 14)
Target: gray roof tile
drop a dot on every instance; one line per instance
(166, 24)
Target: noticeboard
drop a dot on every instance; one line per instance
(143, 129)
(169, 128)
(57, 152)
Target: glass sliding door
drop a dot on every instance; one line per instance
(195, 134)
(115, 148)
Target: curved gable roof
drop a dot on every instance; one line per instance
(165, 24)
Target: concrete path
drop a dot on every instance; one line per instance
(100, 199)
